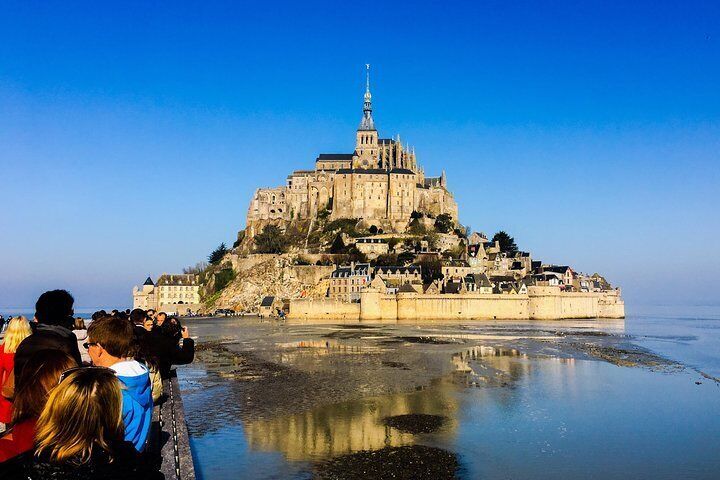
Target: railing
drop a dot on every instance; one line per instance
(169, 445)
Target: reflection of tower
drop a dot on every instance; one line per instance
(366, 142)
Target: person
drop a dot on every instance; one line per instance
(43, 371)
(52, 329)
(2, 323)
(111, 343)
(17, 330)
(80, 332)
(160, 319)
(162, 345)
(90, 400)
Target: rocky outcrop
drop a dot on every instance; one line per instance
(257, 276)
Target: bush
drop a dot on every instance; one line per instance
(386, 260)
(343, 225)
(338, 246)
(444, 223)
(223, 277)
(271, 240)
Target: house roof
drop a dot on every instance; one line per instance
(148, 281)
(479, 279)
(397, 269)
(267, 301)
(453, 287)
(557, 268)
(177, 279)
(334, 156)
(407, 288)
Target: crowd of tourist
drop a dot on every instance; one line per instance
(76, 402)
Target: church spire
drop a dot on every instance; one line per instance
(367, 121)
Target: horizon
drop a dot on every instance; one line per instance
(135, 137)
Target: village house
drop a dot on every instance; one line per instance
(173, 293)
(399, 274)
(347, 281)
(372, 246)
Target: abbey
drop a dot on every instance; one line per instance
(379, 183)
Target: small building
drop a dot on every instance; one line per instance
(269, 306)
(453, 269)
(347, 281)
(172, 293)
(372, 246)
(399, 273)
(566, 273)
(479, 283)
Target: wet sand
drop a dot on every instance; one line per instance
(333, 400)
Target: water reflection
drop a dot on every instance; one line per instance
(350, 426)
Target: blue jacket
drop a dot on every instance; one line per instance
(137, 404)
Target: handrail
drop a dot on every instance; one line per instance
(169, 441)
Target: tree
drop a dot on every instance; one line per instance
(338, 246)
(197, 269)
(373, 229)
(217, 254)
(507, 243)
(270, 240)
(386, 260)
(415, 214)
(444, 223)
(431, 269)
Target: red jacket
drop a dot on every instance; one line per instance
(7, 361)
(20, 439)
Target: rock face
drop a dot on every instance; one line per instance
(258, 276)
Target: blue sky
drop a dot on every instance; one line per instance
(132, 136)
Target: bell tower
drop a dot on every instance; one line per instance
(366, 141)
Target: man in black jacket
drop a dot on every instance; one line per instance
(162, 345)
(52, 329)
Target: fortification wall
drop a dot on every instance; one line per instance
(311, 308)
(541, 303)
(461, 307)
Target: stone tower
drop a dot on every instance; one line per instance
(366, 141)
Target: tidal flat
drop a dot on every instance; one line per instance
(637, 398)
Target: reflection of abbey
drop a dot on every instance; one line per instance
(380, 182)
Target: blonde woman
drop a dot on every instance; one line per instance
(80, 431)
(17, 330)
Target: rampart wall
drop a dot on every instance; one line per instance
(542, 303)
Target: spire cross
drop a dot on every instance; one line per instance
(367, 79)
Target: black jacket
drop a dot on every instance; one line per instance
(126, 465)
(45, 337)
(166, 352)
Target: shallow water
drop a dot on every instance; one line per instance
(570, 399)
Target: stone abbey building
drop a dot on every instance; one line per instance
(380, 183)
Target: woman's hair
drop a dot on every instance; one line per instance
(171, 327)
(79, 324)
(17, 330)
(39, 375)
(83, 412)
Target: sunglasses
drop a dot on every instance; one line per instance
(69, 371)
(87, 345)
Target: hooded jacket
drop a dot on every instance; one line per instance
(45, 337)
(137, 401)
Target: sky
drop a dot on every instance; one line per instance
(133, 134)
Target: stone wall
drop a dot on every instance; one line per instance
(542, 303)
(312, 308)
